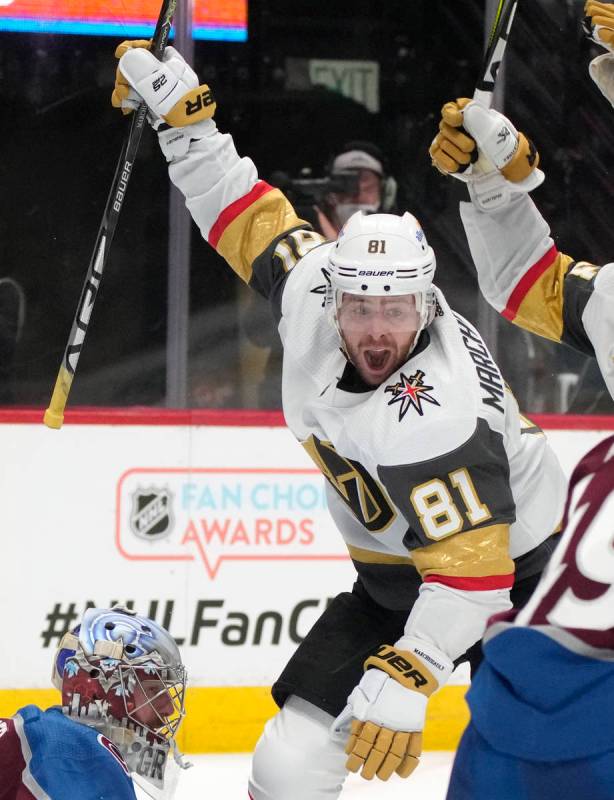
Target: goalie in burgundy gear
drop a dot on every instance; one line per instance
(123, 688)
(123, 673)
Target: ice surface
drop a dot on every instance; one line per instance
(225, 777)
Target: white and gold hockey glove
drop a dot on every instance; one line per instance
(385, 712)
(599, 26)
(482, 147)
(169, 87)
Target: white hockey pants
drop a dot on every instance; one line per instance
(296, 758)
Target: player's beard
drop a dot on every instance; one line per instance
(376, 361)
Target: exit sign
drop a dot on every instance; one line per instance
(358, 80)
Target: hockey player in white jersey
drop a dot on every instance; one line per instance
(448, 500)
(520, 270)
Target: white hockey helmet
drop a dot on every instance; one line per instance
(382, 255)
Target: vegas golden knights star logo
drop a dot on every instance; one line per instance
(411, 393)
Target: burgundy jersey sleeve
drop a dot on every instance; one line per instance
(576, 593)
(12, 763)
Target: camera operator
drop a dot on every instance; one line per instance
(374, 190)
(357, 178)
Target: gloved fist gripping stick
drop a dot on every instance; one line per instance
(169, 87)
(468, 131)
(388, 707)
(480, 146)
(599, 26)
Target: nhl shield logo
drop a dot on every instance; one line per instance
(151, 515)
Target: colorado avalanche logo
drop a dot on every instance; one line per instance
(411, 393)
(114, 750)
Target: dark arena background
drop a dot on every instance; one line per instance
(310, 76)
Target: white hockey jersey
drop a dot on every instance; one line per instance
(434, 479)
(523, 275)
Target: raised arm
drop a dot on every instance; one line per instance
(250, 223)
(520, 270)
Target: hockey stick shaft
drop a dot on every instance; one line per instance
(54, 415)
(497, 42)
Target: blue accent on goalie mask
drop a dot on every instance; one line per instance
(139, 635)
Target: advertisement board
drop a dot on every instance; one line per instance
(219, 532)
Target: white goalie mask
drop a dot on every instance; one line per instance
(382, 255)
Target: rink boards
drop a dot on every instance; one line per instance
(214, 524)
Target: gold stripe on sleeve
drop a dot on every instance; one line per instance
(473, 554)
(250, 233)
(541, 309)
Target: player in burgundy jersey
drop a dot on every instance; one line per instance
(542, 702)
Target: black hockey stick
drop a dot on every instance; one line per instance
(497, 42)
(54, 415)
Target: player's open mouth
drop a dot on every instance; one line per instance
(377, 359)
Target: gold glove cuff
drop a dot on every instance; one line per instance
(194, 106)
(405, 668)
(525, 160)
